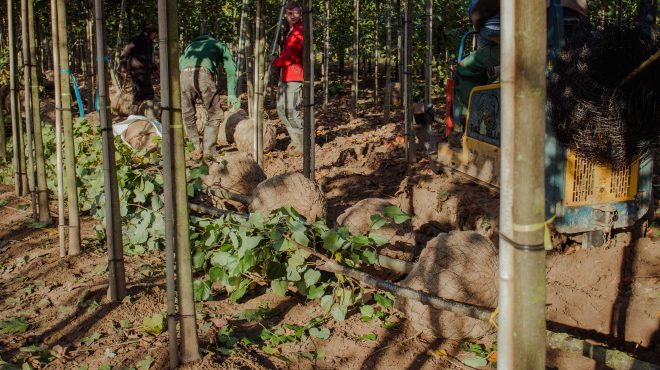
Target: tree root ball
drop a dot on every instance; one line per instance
(228, 126)
(244, 136)
(292, 189)
(141, 135)
(234, 172)
(460, 266)
(358, 220)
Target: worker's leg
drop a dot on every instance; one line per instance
(211, 101)
(472, 72)
(142, 86)
(188, 96)
(292, 110)
(281, 104)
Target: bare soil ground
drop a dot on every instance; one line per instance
(610, 295)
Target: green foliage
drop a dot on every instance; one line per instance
(14, 325)
(483, 355)
(153, 325)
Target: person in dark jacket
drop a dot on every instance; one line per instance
(137, 58)
(289, 62)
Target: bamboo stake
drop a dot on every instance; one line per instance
(42, 186)
(309, 129)
(168, 184)
(3, 134)
(61, 219)
(69, 148)
(388, 60)
(521, 339)
(189, 341)
(91, 66)
(27, 82)
(406, 84)
(375, 45)
(25, 177)
(356, 59)
(15, 114)
(326, 54)
(117, 280)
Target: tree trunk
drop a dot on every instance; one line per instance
(89, 62)
(249, 67)
(15, 112)
(428, 67)
(308, 92)
(58, 130)
(356, 60)
(376, 40)
(189, 340)
(259, 69)
(69, 149)
(406, 84)
(326, 59)
(42, 186)
(388, 60)
(522, 274)
(241, 49)
(116, 272)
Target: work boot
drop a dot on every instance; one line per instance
(210, 139)
(193, 137)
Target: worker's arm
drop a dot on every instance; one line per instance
(292, 50)
(230, 69)
(125, 56)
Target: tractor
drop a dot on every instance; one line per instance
(588, 200)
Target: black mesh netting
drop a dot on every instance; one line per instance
(593, 113)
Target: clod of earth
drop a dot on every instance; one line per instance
(292, 189)
(459, 266)
(140, 135)
(233, 172)
(244, 136)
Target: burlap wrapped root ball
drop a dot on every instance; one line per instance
(244, 136)
(461, 266)
(292, 189)
(142, 135)
(233, 172)
(228, 126)
(358, 220)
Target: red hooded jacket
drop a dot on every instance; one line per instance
(290, 59)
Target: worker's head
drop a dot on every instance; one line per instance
(292, 12)
(150, 32)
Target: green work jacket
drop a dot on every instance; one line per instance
(207, 52)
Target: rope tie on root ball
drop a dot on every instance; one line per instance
(596, 115)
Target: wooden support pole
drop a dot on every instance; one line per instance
(168, 184)
(241, 48)
(29, 124)
(428, 65)
(116, 272)
(189, 341)
(42, 186)
(259, 91)
(61, 219)
(15, 113)
(326, 53)
(309, 127)
(69, 148)
(521, 334)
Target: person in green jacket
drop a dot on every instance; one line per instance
(199, 70)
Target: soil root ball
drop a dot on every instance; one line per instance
(596, 111)
(292, 189)
(358, 220)
(234, 172)
(141, 135)
(244, 136)
(228, 126)
(461, 266)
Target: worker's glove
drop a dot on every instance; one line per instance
(233, 101)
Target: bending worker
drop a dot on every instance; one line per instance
(199, 70)
(137, 58)
(289, 91)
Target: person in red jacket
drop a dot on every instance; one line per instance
(289, 63)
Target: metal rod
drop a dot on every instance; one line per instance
(521, 334)
(309, 129)
(168, 185)
(61, 218)
(116, 272)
